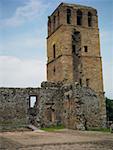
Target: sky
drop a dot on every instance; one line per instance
(23, 32)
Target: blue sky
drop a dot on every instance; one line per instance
(23, 32)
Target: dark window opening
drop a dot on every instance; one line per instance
(79, 17)
(76, 36)
(89, 19)
(74, 49)
(87, 82)
(54, 70)
(58, 13)
(32, 101)
(80, 82)
(85, 49)
(65, 111)
(49, 24)
(58, 18)
(54, 22)
(54, 51)
(68, 96)
(68, 16)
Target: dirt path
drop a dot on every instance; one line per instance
(62, 140)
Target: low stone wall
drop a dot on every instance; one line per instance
(56, 103)
(14, 106)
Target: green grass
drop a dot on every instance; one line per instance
(53, 128)
(99, 129)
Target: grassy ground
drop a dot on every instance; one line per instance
(100, 129)
(53, 128)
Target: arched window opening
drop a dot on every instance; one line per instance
(89, 19)
(68, 16)
(79, 17)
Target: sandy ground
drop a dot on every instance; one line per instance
(60, 140)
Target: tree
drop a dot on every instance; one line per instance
(109, 109)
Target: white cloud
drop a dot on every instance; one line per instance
(32, 9)
(25, 45)
(15, 72)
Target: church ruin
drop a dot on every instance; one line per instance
(73, 94)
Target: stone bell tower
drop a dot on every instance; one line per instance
(73, 48)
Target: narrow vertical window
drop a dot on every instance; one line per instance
(54, 22)
(87, 82)
(74, 49)
(68, 16)
(79, 17)
(85, 49)
(58, 19)
(54, 70)
(80, 81)
(49, 24)
(54, 51)
(89, 19)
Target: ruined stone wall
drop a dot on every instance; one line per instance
(81, 107)
(50, 104)
(15, 110)
(73, 106)
(14, 106)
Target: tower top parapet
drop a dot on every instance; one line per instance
(74, 6)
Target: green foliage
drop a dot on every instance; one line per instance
(53, 128)
(99, 129)
(109, 109)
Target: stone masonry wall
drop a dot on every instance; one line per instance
(81, 107)
(73, 106)
(14, 106)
